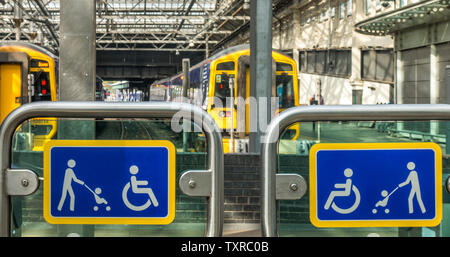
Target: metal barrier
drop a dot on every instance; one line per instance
(207, 183)
(273, 190)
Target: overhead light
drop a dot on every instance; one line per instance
(191, 44)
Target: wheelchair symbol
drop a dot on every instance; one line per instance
(134, 185)
(348, 187)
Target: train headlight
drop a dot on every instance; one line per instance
(223, 114)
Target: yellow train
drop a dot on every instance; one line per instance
(227, 75)
(28, 73)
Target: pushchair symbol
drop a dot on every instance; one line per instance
(384, 202)
(99, 200)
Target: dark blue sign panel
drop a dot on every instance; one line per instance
(109, 182)
(377, 184)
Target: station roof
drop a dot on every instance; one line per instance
(130, 24)
(161, 25)
(422, 12)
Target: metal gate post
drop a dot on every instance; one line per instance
(270, 186)
(11, 178)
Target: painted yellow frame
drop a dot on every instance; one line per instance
(374, 223)
(110, 220)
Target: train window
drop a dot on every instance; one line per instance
(40, 130)
(284, 66)
(225, 66)
(302, 61)
(41, 90)
(222, 89)
(285, 91)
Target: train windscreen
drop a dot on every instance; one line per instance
(285, 91)
(41, 90)
(222, 89)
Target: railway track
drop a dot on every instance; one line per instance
(142, 129)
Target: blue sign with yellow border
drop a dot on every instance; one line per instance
(376, 185)
(109, 182)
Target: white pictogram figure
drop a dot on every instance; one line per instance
(134, 184)
(69, 176)
(348, 188)
(99, 200)
(413, 179)
(384, 202)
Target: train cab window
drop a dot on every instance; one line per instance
(225, 66)
(222, 88)
(41, 130)
(285, 91)
(41, 89)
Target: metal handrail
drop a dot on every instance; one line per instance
(404, 112)
(215, 162)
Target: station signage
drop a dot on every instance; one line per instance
(376, 185)
(109, 182)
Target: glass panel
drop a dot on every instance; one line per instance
(285, 91)
(293, 215)
(341, 10)
(385, 65)
(41, 87)
(222, 88)
(302, 61)
(321, 61)
(368, 63)
(190, 212)
(311, 61)
(343, 62)
(349, 7)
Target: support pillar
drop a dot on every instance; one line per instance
(399, 86)
(434, 85)
(186, 81)
(447, 101)
(77, 77)
(260, 69)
